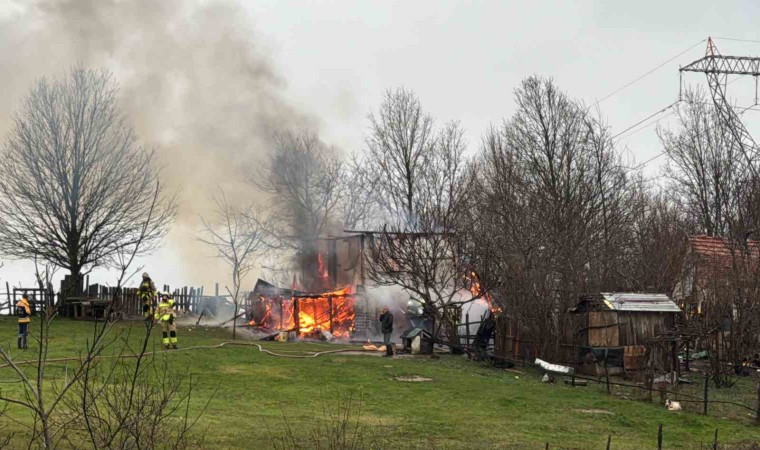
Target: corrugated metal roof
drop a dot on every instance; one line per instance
(623, 301)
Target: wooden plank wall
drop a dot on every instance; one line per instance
(603, 330)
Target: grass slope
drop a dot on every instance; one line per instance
(465, 405)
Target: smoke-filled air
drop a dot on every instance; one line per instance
(194, 82)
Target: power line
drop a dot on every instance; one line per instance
(647, 118)
(646, 74)
(648, 161)
(736, 39)
(655, 122)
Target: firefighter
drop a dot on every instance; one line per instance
(147, 294)
(165, 314)
(24, 313)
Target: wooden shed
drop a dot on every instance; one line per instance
(619, 328)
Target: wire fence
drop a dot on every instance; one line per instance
(676, 393)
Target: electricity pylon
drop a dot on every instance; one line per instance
(717, 68)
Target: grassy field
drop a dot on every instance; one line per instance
(260, 398)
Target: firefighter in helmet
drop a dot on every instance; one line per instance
(147, 294)
(165, 314)
(24, 314)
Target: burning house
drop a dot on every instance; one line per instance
(328, 297)
(327, 301)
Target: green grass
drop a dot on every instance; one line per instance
(466, 405)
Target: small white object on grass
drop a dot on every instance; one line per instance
(673, 406)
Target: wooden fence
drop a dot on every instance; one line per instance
(96, 298)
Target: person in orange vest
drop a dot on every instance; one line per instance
(165, 314)
(24, 314)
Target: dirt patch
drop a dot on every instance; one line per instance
(413, 379)
(594, 411)
(236, 370)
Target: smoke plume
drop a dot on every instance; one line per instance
(195, 83)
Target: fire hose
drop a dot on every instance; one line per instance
(199, 347)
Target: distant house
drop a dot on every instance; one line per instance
(710, 264)
(619, 328)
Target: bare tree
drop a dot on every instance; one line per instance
(237, 236)
(656, 247)
(401, 134)
(710, 176)
(307, 183)
(425, 256)
(359, 210)
(111, 406)
(75, 184)
(304, 176)
(707, 171)
(553, 199)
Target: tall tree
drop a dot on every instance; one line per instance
(76, 187)
(401, 134)
(556, 194)
(304, 176)
(306, 181)
(706, 170)
(424, 255)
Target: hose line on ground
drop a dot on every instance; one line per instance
(201, 347)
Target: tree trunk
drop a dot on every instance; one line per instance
(454, 343)
(234, 321)
(74, 286)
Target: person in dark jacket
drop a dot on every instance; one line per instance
(386, 326)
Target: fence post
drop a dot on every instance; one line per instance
(467, 325)
(704, 398)
(609, 441)
(715, 441)
(659, 438)
(607, 371)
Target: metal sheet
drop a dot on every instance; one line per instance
(621, 301)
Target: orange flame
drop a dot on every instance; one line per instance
(323, 273)
(329, 311)
(476, 289)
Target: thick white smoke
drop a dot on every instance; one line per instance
(195, 83)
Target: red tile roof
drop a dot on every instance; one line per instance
(717, 247)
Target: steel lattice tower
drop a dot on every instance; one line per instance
(718, 67)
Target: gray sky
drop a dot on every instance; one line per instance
(464, 59)
(332, 60)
